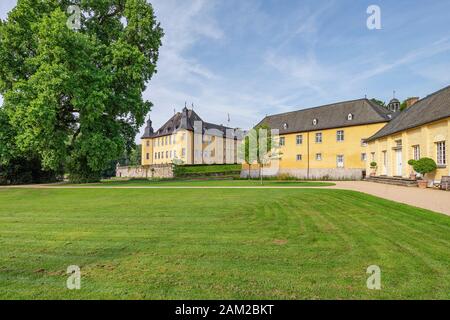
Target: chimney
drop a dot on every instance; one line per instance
(411, 101)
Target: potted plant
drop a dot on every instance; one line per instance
(424, 166)
(412, 175)
(373, 166)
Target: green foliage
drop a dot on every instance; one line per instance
(425, 165)
(403, 106)
(261, 150)
(373, 165)
(205, 170)
(75, 98)
(379, 102)
(136, 156)
(25, 171)
(412, 162)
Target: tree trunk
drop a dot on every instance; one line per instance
(260, 172)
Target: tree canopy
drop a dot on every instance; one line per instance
(74, 97)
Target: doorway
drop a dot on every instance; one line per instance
(399, 157)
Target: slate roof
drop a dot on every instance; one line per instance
(176, 122)
(329, 116)
(434, 107)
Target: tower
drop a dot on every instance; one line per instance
(394, 104)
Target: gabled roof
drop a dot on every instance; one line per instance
(176, 123)
(434, 107)
(336, 115)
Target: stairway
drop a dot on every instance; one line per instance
(397, 181)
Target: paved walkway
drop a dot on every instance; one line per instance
(431, 199)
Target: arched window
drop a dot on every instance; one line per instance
(315, 122)
(350, 117)
(285, 126)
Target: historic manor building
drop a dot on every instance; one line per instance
(423, 130)
(186, 138)
(327, 141)
(340, 140)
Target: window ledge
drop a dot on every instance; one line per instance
(442, 166)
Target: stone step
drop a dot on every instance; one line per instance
(398, 181)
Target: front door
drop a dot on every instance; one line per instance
(399, 162)
(385, 163)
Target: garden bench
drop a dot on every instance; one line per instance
(445, 183)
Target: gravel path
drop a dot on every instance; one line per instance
(431, 199)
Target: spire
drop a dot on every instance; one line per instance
(149, 128)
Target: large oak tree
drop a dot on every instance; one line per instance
(74, 97)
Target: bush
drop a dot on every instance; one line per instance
(373, 165)
(412, 162)
(425, 165)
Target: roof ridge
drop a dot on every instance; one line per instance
(317, 107)
(392, 127)
(377, 108)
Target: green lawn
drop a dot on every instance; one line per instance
(218, 244)
(211, 183)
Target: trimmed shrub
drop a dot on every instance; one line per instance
(425, 165)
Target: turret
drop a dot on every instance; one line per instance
(148, 129)
(184, 118)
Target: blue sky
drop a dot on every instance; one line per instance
(256, 57)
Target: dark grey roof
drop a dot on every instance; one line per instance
(181, 120)
(329, 116)
(432, 108)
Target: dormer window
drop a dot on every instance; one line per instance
(350, 117)
(315, 122)
(285, 126)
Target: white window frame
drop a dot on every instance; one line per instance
(416, 152)
(319, 157)
(299, 139)
(441, 153)
(340, 164)
(340, 136)
(319, 137)
(364, 157)
(282, 141)
(299, 157)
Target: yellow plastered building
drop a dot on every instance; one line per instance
(327, 142)
(186, 138)
(423, 130)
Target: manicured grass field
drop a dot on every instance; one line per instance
(218, 244)
(211, 183)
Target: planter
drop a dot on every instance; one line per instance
(413, 176)
(423, 184)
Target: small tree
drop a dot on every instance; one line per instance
(262, 149)
(424, 166)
